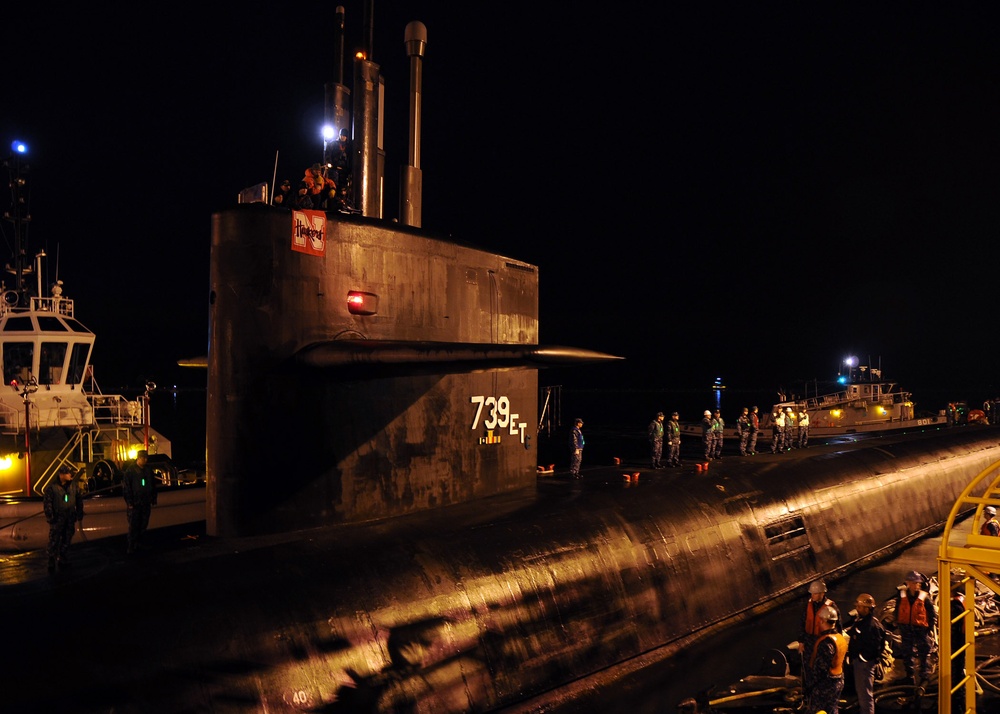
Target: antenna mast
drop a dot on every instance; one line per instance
(19, 215)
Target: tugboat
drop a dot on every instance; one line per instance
(51, 410)
(863, 403)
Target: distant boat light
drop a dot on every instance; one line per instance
(19, 147)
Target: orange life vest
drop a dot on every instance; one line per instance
(912, 615)
(840, 652)
(814, 626)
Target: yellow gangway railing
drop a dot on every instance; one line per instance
(966, 557)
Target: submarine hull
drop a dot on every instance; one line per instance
(501, 603)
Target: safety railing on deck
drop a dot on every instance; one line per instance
(59, 305)
(966, 557)
(116, 409)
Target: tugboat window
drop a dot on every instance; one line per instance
(77, 363)
(18, 324)
(50, 363)
(76, 326)
(17, 360)
(51, 324)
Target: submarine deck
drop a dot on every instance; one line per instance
(189, 541)
(185, 576)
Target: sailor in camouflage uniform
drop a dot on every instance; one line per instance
(754, 432)
(63, 504)
(803, 429)
(791, 439)
(743, 430)
(718, 432)
(707, 436)
(777, 430)
(576, 442)
(139, 491)
(656, 440)
(674, 440)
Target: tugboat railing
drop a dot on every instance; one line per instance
(59, 305)
(116, 409)
(845, 398)
(112, 410)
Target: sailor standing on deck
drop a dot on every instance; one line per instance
(754, 432)
(812, 626)
(576, 448)
(791, 430)
(718, 432)
(777, 430)
(867, 639)
(826, 665)
(656, 440)
(743, 430)
(803, 428)
(916, 619)
(139, 490)
(674, 440)
(991, 526)
(63, 504)
(707, 437)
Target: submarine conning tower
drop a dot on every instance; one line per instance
(360, 369)
(410, 418)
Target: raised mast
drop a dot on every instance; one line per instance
(20, 216)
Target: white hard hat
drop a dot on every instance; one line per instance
(826, 614)
(708, 413)
(990, 511)
(788, 409)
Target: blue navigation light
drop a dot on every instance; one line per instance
(19, 147)
(842, 379)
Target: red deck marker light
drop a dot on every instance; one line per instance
(361, 303)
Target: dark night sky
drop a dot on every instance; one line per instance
(745, 189)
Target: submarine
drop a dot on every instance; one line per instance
(524, 601)
(376, 536)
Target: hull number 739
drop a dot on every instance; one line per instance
(497, 415)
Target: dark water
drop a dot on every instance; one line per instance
(180, 416)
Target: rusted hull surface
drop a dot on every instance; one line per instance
(292, 447)
(486, 605)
